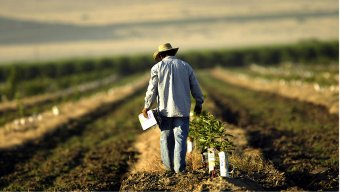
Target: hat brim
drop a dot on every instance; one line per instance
(173, 51)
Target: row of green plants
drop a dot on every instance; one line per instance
(304, 52)
(15, 89)
(311, 51)
(27, 79)
(57, 69)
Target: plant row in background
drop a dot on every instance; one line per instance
(27, 79)
(12, 75)
(304, 52)
(321, 74)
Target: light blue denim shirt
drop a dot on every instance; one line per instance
(172, 80)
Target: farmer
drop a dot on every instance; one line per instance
(172, 80)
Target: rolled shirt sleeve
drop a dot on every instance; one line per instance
(151, 92)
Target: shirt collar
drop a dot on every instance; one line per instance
(169, 57)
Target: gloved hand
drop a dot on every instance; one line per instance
(198, 109)
(145, 112)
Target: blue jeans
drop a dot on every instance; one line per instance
(174, 133)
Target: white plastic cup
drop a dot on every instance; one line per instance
(190, 146)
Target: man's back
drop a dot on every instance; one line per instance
(175, 81)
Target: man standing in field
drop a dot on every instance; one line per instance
(172, 80)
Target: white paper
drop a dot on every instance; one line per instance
(147, 122)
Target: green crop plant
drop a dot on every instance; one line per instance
(207, 131)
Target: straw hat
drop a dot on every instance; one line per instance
(164, 48)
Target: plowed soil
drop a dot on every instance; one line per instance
(300, 138)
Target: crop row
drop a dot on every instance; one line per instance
(34, 105)
(15, 89)
(325, 75)
(316, 93)
(302, 52)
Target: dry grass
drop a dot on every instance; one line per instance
(251, 163)
(194, 160)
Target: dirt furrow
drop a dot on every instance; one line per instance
(301, 139)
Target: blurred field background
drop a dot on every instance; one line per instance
(73, 76)
(40, 30)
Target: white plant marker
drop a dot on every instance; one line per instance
(223, 164)
(40, 117)
(211, 159)
(16, 122)
(30, 119)
(22, 121)
(190, 145)
(55, 111)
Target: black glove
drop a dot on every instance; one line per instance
(198, 109)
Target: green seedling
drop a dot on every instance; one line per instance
(209, 132)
